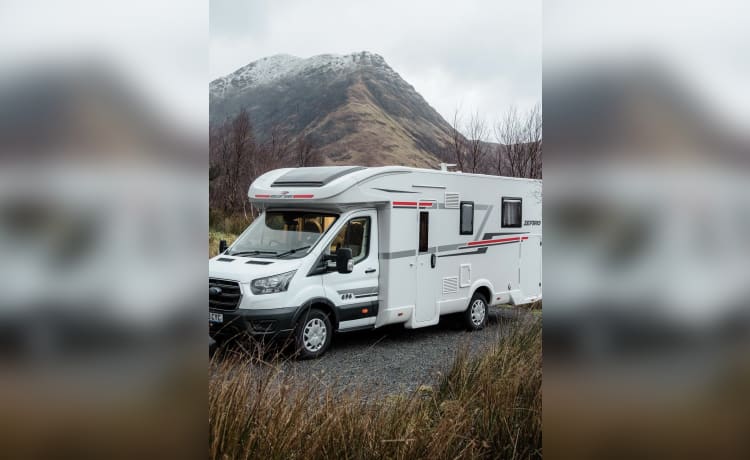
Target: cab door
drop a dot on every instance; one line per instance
(356, 294)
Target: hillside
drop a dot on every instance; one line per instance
(355, 109)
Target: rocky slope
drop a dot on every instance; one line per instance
(355, 109)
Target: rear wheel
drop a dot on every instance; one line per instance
(475, 316)
(313, 334)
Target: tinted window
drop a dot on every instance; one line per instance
(467, 217)
(356, 236)
(424, 230)
(512, 212)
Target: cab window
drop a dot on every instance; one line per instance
(355, 235)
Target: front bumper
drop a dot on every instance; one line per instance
(273, 322)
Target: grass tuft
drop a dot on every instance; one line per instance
(485, 406)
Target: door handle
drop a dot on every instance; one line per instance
(433, 261)
(370, 270)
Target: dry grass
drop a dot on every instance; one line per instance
(232, 224)
(213, 241)
(487, 406)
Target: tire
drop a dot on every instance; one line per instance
(475, 316)
(313, 334)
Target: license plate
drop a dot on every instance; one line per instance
(215, 317)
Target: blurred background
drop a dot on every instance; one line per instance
(103, 214)
(647, 229)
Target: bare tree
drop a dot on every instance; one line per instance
(476, 133)
(218, 155)
(231, 146)
(274, 152)
(236, 159)
(519, 135)
(305, 154)
(457, 146)
(242, 150)
(468, 146)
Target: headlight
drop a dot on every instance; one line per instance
(271, 284)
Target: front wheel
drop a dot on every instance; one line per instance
(475, 317)
(312, 335)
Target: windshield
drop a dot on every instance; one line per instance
(287, 234)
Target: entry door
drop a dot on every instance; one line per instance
(426, 306)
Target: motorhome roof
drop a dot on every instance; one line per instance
(335, 184)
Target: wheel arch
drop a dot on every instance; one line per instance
(320, 303)
(485, 288)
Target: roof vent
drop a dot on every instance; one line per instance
(452, 200)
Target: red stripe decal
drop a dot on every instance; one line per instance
(302, 196)
(426, 204)
(501, 240)
(262, 196)
(404, 203)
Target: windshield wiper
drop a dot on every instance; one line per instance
(251, 253)
(292, 251)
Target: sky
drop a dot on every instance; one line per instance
(474, 55)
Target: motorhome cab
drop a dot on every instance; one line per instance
(348, 248)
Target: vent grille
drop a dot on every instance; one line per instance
(450, 284)
(230, 295)
(452, 200)
(297, 183)
(258, 262)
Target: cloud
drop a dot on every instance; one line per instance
(478, 54)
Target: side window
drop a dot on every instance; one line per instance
(424, 231)
(355, 235)
(467, 218)
(512, 212)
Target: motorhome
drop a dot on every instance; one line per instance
(347, 248)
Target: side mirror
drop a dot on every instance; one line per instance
(223, 246)
(344, 263)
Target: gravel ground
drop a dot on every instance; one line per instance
(393, 359)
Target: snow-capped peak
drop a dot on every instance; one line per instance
(270, 69)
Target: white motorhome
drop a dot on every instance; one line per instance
(348, 248)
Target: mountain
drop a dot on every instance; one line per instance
(634, 109)
(354, 109)
(85, 110)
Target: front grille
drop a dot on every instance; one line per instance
(230, 295)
